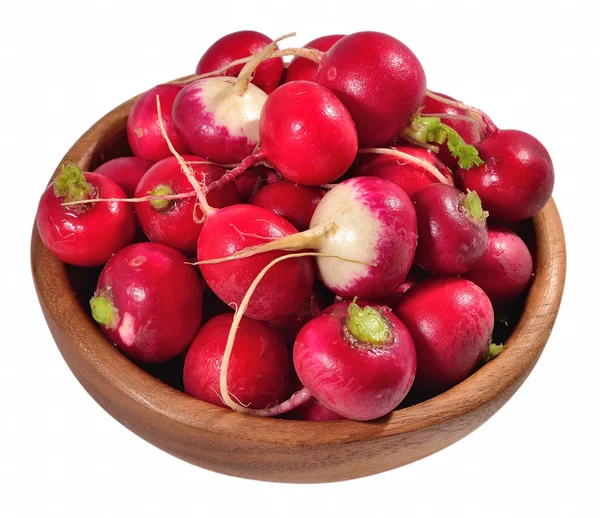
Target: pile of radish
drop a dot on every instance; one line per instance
(318, 237)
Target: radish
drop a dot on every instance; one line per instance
(451, 322)
(517, 178)
(296, 203)
(505, 271)
(87, 234)
(234, 228)
(358, 362)
(467, 124)
(410, 176)
(368, 219)
(217, 117)
(148, 302)
(125, 171)
(451, 228)
(238, 45)
(306, 134)
(172, 221)
(259, 369)
(143, 132)
(379, 80)
(303, 69)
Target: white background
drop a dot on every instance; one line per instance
(530, 65)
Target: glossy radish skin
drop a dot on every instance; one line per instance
(377, 225)
(451, 322)
(86, 235)
(148, 302)
(349, 372)
(172, 222)
(143, 131)
(517, 178)
(506, 269)
(282, 290)
(302, 69)
(296, 203)
(307, 134)
(468, 130)
(126, 171)
(217, 122)
(259, 369)
(410, 177)
(379, 80)
(249, 182)
(452, 231)
(238, 45)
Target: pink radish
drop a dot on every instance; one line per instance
(358, 362)
(451, 322)
(238, 45)
(259, 369)
(234, 228)
(303, 69)
(148, 302)
(505, 271)
(296, 203)
(517, 178)
(451, 227)
(217, 117)
(306, 133)
(467, 124)
(368, 219)
(172, 222)
(88, 234)
(143, 132)
(125, 171)
(410, 176)
(379, 80)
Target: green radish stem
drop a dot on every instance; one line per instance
(299, 397)
(71, 184)
(367, 325)
(407, 158)
(471, 206)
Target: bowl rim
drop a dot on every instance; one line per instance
(87, 344)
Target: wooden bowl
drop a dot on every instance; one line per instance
(278, 449)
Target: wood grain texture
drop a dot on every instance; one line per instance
(276, 449)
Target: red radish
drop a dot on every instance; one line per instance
(84, 235)
(465, 123)
(234, 228)
(259, 369)
(517, 178)
(369, 220)
(125, 171)
(379, 80)
(410, 176)
(451, 228)
(172, 222)
(303, 69)
(451, 322)
(249, 182)
(358, 362)
(143, 131)
(238, 45)
(217, 117)
(506, 268)
(148, 302)
(296, 203)
(306, 134)
(289, 326)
